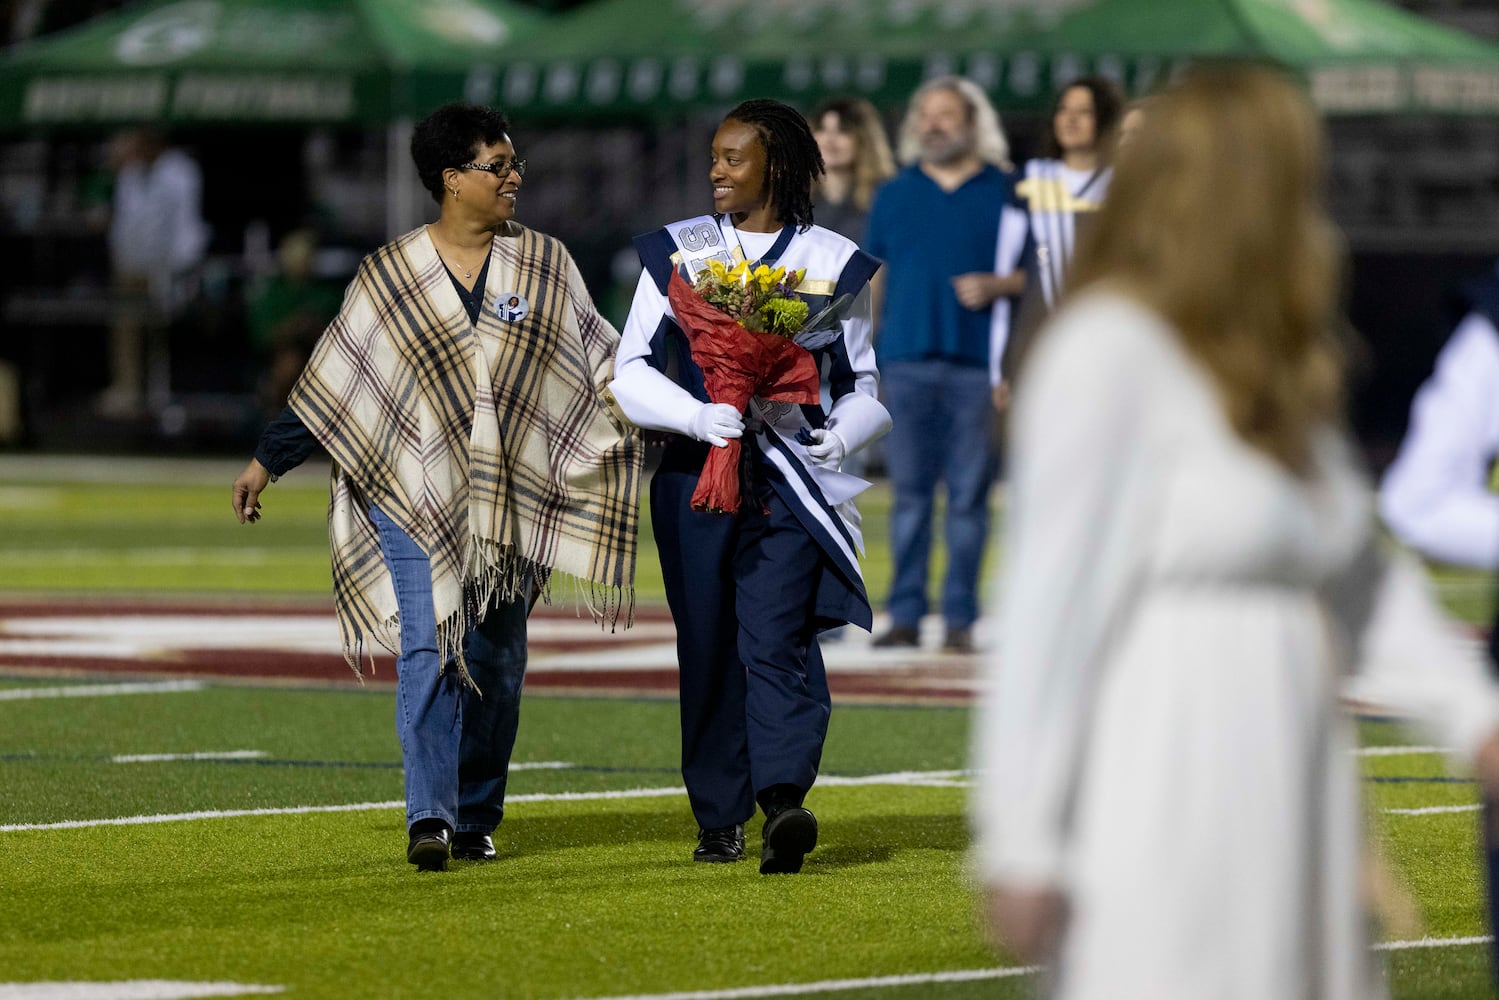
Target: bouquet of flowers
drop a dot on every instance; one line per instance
(740, 324)
(760, 300)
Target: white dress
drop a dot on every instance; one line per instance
(1160, 735)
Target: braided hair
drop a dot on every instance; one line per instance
(792, 160)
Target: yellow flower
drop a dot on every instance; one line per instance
(767, 279)
(740, 273)
(717, 270)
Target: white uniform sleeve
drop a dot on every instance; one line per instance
(1080, 510)
(858, 417)
(647, 396)
(1410, 660)
(1014, 226)
(1435, 496)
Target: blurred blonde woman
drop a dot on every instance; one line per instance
(856, 160)
(1169, 807)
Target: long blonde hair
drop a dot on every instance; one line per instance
(873, 162)
(1215, 219)
(990, 144)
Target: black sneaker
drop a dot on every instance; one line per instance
(958, 640)
(789, 835)
(720, 844)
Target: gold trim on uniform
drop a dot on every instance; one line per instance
(1050, 194)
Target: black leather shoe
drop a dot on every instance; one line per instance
(958, 640)
(723, 843)
(789, 835)
(899, 637)
(428, 846)
(470, 846)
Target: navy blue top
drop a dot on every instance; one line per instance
(926, 237)
(286, 442)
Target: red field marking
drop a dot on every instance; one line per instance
(151, 638)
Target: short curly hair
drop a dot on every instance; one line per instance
(450, 137)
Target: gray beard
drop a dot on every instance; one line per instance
(942, 154)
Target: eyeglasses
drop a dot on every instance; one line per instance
(498, 169)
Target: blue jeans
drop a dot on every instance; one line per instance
(455, 741)
(943, 432)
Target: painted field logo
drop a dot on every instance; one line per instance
(168, 34)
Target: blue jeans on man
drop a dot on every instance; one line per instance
(455, 741)
(943, 432)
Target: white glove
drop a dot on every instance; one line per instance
(827, 448)
(715, 423)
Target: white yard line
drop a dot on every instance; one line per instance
(835, 985)
(623, 793)
(1432, 810)
(1398, 751)
(131, 989)
(157, 758)
(1433, 943)
(957, 976)
(82, 824)
(99, 690)
(927, 778)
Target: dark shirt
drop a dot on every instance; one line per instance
(845, 218)
(927, 236)
(286, 442)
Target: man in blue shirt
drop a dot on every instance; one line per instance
(949, 281)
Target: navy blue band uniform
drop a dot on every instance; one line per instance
(750, 592)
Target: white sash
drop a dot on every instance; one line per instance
(700, 240)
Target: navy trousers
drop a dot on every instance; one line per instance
(742, 590)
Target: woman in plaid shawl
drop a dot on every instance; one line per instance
(460, 395)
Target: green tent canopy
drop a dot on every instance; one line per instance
(261, 61)
(645, 57)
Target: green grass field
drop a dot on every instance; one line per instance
(594, 895)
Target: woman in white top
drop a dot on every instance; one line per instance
(1071, 176)
(1168, 806)
(1057, 199)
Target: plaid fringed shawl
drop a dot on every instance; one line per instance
(493, 446)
